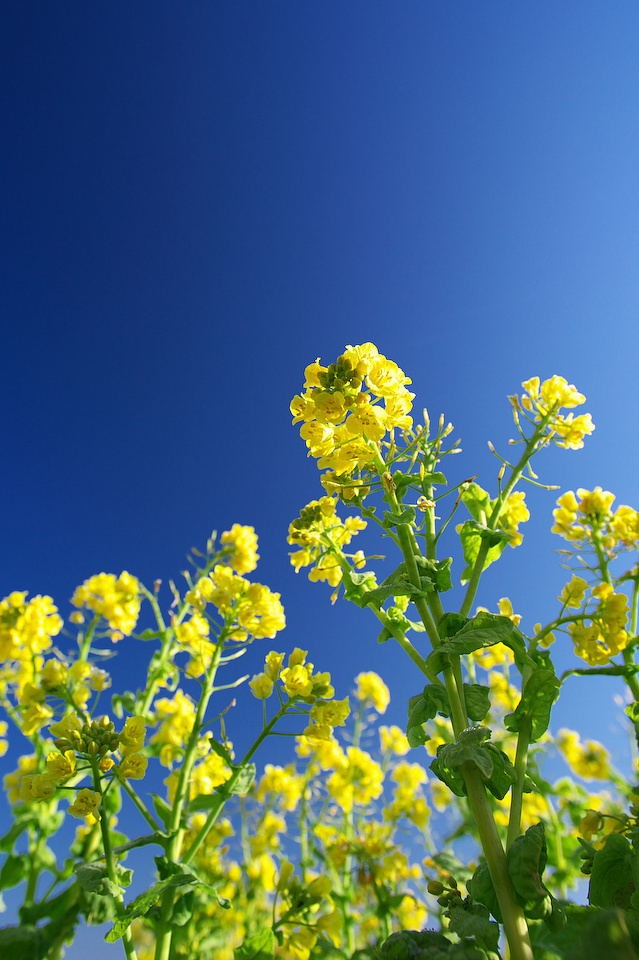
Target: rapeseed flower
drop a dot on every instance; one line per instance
(372, 689)
(115, 599)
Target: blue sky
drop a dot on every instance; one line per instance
(200, 199)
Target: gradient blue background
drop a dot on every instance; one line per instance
(198, 199)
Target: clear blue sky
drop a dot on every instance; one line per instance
(200, 199)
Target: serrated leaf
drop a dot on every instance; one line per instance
(423, 708)
(259, 947)
(540, 692)
(91, 877)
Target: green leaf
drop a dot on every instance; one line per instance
(142, 904)
(438, 479)
(483, 630)
(259, 947)
(162, 809)
(159, 838)
(384, 635)
(221, 751)
(474, 922)
(611, 880)
(22, 822)
(148, 635)
(477, 500)
(183, 909)
(14, 870)
(24, 943)
(540, 692)
(481, 890)
(495, 767)
(424, 707)
(477, 699)
(54, 908)
(527, 859)
(92, 877)
(245, 780)
(438, 571)
(471, 535)
(450, 624)
(398, 588)
(405, 517)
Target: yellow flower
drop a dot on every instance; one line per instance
(283, 783)
(514, 512)
(393, 740)
(273, 664)
(115, 599)
(297, 681)
(333, 713)
(133, 767)
(371, 687)
(243, 540)
(132, 736)
(261, 686)
(572, 596)
(506, 610)
(589, 760)
(86, 804)
(27, 765)
(61, 766)
(359, 782)
(27, 628)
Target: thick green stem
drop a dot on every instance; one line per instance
(517, 793)
(515, 926)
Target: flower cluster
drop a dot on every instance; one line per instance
(588, 517)
(544, 403)
(115, 599)
(513, 513)
(249, 609)
(321, 534)
(298, 682)
(241, 542)
(589, 760)
(343, 418)
(26, 628)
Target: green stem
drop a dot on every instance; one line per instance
(515, 926)
(163, 938)
(152, 822)
(222, 795)
(517, 794)
(127, 938)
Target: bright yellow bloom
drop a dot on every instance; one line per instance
(273, 664)
(506, 610)
(177, 717)
(322, 534)
(371, 687)
(133, 767)
(589, 760)
(283, 783)
(53, 675)
(27, 628)
(547, 400)
(357, 783)
(261, 686)
(132, 736)
(333, 713)
(64, 728)
(297, 681)
(86, 804)
(115, 599)
(393, 740)
(244, 555)
(27, 765)
(572, 596)
(39, 786)
(514, 512)
(61, 766)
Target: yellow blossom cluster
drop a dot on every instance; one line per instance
(341, 410)
(546, 400)
(604, 635)
(588, 517)
(358, 781)
(589, 760)
(513, 513)
(299, 681)
(249, 609)
(392, 740)
(408, 800)
(205, 777)
(115, 599)
(322, 534)
(371, 689)
(26, 628)
(282, 785)
(176, 718)
(241, 542)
